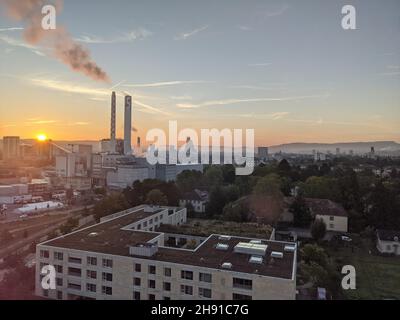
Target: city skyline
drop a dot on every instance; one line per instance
(286, 69)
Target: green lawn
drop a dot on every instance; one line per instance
(377, 277)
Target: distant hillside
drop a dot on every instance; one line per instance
(357, 147)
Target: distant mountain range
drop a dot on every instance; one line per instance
(357, 147)
(388, 147)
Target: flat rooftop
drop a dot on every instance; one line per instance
(109, 238)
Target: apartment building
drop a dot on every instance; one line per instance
(123, 257)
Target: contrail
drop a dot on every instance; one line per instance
(62, 45)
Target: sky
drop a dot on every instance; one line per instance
(286, 69)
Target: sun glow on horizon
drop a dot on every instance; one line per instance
(41, 137)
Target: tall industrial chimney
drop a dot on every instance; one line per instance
(128, 125)
(112, 133)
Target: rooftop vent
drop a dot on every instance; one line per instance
(143, 249)
(256, 259)
(256, 241)
(290, 248)
(224, 238)
(277, 254)
(92, 234)
(222, 246)
(251, 248)
(227, 265)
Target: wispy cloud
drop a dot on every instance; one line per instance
(185, 97)
(275, 12)
(36, 122)
(162, 84)
(271, 116)
(186, 35)
(151, 109)
(69, 87)
(264, 64)
(138, 34)
(11, 29)
(245, 28)
(17, 43)
(236, 101)
(79, 123)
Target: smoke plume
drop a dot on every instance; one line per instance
(59, 41)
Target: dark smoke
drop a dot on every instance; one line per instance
(63, 47)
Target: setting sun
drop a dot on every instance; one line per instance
(41, 137)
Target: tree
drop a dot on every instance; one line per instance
(269, 185)
(228, 173)
(237, 211)
(213, 176)
(217, 201)
(189, 180)
(113, 203)
(284, 168)
(314, 253)
(301, 213)
(156, 197)
(318, 229)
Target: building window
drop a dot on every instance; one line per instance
(92, 261)
(152, 297)
(106, 290)
(59, 282)
(90, 287)
(188, 275)
(237, 296)
(156, 219)
(331, 218)
(59, 269)
(205, 277)
(75, 272)
(242, 283)
(46, 293)
(136, 281)
(151, 221)
(161, 216)
(204, 293)
(59, 295)
(167, 272)
(44, 254)
(152, 269)
(90, 274)
(167, 286)
(58, 256)
(138, 267)
(144, 224)
(74, 260)
(152, 284)
(107, 276)
(74, 286)
(331, 226)
(167, 298)
(136, 295)
(186, 289)
(139, 226)
(107, 263)
(388, 247)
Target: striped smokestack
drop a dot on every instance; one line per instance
(112, 131)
